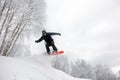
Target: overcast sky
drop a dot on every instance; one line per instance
(89, 28)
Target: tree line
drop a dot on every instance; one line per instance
(81, 69)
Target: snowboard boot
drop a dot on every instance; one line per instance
(48, 53)
(55, 51)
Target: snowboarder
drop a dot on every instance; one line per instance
(46, 36)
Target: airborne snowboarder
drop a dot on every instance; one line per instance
(46, 36)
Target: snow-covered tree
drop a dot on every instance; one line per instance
(16, 18)
(61, 63)
(104, 73)
(33, 28)
(118, 77)
(81, 69)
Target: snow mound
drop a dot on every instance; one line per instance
(30, 68)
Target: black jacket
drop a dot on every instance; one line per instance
(48, 39)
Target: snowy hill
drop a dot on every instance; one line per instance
(30, 68)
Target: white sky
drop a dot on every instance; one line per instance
(89, 28)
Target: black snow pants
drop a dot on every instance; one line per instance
(52, 45)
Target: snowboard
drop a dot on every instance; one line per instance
(58, 53)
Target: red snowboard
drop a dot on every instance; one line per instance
(58, 53)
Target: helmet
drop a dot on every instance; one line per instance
(44, 32)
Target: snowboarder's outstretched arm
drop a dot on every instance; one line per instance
(39, 40)
(51, 33)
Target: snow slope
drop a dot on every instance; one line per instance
(31, 68)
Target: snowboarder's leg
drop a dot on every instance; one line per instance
(54, 47)
(47, 48)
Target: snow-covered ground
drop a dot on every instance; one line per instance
(31, 68)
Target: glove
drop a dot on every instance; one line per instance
(36, 41)
(59, 34)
